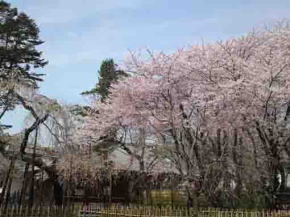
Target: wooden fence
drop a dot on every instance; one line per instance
(177, 212)
(134, 212)
(40, 212)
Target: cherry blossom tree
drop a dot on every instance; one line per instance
(221, 110)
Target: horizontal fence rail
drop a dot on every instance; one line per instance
(180, 212)
(91, 211)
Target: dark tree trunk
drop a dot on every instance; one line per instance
(24, 185)
(12, 161)
(58, 193)
(8, 192)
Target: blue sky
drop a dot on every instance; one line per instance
(79, 34)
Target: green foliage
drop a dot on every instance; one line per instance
(108, 74)
(19, 35)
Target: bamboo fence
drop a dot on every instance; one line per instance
(178, 212)
(40, 212)
(136, 212)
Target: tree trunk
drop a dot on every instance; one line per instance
(58, 193)
(12, 161)
(31, 193)
(24, 185)
(8, 193)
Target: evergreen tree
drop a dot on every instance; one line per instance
(108, 74)
(19, 36)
